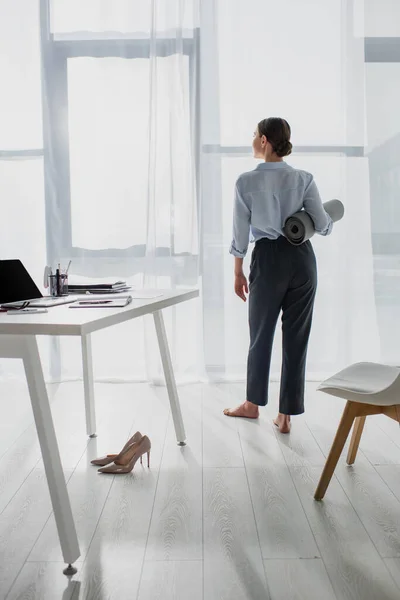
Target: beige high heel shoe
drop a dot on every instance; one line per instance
(109, 458)
(127, 460)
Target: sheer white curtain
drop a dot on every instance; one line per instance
(22, 216)
(128, 75)
(382, 33)
(303, 60)
(113, 155)
(117, 87)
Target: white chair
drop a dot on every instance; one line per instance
(370, 389)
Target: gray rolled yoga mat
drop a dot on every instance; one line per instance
(299, 228)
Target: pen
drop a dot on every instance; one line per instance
(27, 311)
(95, 302)
(69, 264)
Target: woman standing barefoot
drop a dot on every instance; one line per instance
(283, 277)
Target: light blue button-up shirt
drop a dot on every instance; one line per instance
(266, 197)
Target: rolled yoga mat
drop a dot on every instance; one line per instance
(300, 227)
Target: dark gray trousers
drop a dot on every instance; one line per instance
(283, 278)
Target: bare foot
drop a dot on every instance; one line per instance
(247, 410)
(283, 423)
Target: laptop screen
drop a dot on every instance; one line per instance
(16, 283)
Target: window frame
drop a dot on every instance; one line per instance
(56, 50)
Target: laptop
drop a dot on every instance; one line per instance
(18, 287)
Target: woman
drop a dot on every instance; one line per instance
(283, 277)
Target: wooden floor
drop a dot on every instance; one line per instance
(229, 516)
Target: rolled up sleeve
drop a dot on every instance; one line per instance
(313, 206)
(241, 225)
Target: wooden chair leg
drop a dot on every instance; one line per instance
(355, 439)
(393, 412)
(346, 422)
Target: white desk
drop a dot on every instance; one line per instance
(18, 340)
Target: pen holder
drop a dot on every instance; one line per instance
(58, 285)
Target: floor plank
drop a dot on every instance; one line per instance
(282, 524)
(69, 425)
(151, 417)
(390, 427)
(377, 446)
(115, 412)
(221, 446)
(20, 525)
(176, 526)
(300, 447)
(8, 573)
(113, 564)
(16, 411)
(108, 578)
(17, 464)
(88, 492)
(376, 506)
(23, 519)
(323, 418)
(297, 579)
(393, 564)
(233, 565)
(354, 566)
(391, 476)
(87, 489)
(172, 580)
(43, 581)
(238, 493)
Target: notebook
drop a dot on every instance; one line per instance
(97, 286)
(117, 302)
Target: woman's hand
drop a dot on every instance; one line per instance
(241, 287)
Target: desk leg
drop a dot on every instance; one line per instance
(169, 378)
(51, 456)
(88, 385)
(55, 358)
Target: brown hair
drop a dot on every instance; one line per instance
(277, 131)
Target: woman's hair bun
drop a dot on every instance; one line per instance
(283, 148)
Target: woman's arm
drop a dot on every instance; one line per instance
(313, 206)
(241, 287)
(241, 225)
(240, 242)
(238, 266)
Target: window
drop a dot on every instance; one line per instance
(23, 223)
(382, 51)
(20, 98)
(100, 137)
